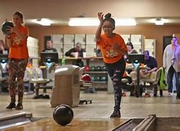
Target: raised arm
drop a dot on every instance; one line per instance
(98, 31)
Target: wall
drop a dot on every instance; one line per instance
(63, 9)
(149, 31)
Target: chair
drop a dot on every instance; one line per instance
(127, 85)
(85, 81)
(152, 83)
(42, 83)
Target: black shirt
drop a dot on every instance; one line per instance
(151, 62)
(79, 62)
(50, 50)
(80, 52)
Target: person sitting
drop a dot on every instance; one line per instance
(130, 48)
(49, 47)
(151, 64)
(148, 71)
(76, 50)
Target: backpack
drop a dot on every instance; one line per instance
(162, 83)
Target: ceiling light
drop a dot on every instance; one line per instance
(159, 22)
(83, 22)
(126, 22)
(95, 22)
(44, 22)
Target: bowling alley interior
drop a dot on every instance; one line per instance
(71, 92)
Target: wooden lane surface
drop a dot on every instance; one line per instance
(48, 124)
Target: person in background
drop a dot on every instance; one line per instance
(113, 49)
(176, 65)
(171, 63)
(168, 55)
(151, 64)
(151, 67)
(147, 72)
(130, 48)
(49, 47)
(18, 59)
(77, 50)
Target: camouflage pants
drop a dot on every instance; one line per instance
(16, 73)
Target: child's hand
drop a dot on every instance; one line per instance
(100, 16)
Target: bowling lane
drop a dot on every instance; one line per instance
(49, 124)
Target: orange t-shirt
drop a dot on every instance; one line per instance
(109, 54)
(18, 49)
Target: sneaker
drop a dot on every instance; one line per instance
(147, 95)
(19, 106)
(11, 105)
(170, 94)
(132, 94)
(115, 114)
(123, 94)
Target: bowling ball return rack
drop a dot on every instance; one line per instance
(8, 120)
(150, 123)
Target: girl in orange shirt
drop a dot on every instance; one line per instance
(113, 49)
(18, 59)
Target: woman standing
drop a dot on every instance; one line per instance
(18, 59)
(113, 49)
(168, 61)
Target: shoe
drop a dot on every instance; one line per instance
(124, 94)
(46, 97)
(147, 95)
(115, 114)
(132, 94)
(170, 94)
(19, 106)
(11, 105)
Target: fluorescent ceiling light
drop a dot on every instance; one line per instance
(83, 22)
(159, 22)
(44, 22)
(95, 22)
(125, 22)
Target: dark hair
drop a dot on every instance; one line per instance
(19, 14)
(175, 37)
(146, 51)
(110, 19)
(130, 44)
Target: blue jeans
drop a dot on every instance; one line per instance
(170, 74)
(177, 75)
